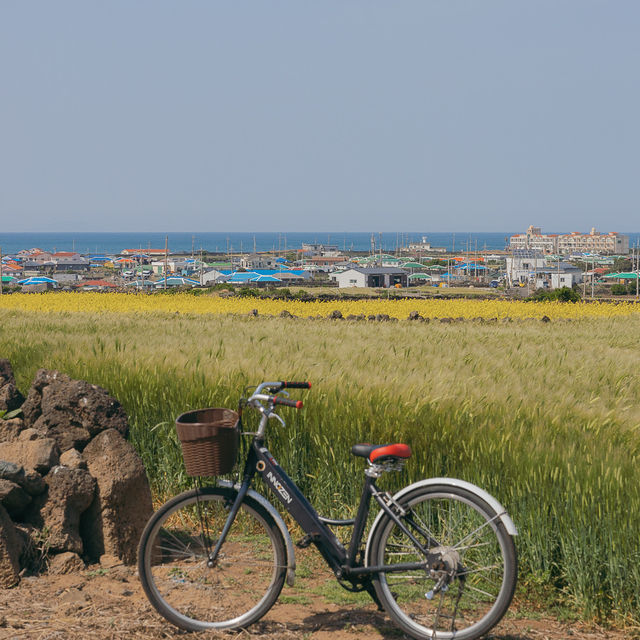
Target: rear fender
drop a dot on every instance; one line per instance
(503, 516)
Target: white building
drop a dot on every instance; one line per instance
(259, 261)
(213, 276)
(319, 249)
(375, 277)
(174, 265)
(593, 242)
(424, 246)
(531, 267)
(535, 240)
(565, 278)
(523, 265)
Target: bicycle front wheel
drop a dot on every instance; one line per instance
(191, 591)
(467, 589)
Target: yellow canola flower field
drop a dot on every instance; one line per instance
(88, 302)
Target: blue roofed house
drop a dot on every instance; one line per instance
(290, 276)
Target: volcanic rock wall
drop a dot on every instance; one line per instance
(72, 488)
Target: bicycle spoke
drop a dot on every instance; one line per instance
(473, 533)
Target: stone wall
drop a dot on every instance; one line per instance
(72, 488)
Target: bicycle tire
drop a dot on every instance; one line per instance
(479, 555)
(173, 561)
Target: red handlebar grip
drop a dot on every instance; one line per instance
(296, 404)
(296, 385)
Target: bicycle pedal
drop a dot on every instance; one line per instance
(303, 543)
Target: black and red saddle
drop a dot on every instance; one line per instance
(381, 452)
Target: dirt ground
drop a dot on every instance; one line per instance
(107, 603)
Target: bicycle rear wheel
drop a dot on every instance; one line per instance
(474, 578)
(174, 567)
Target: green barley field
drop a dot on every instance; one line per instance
(544, 416)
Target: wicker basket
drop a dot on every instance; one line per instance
(209, 439)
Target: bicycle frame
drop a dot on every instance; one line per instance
(343, 562)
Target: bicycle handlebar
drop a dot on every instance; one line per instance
(274, 387)
(295, 385)
(285, 384)
(257, 398)
(296, 404)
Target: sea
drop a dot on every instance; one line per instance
(90, 243)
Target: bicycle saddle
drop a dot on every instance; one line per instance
(381, 451)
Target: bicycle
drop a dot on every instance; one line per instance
(439, 556)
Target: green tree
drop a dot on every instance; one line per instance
(622, 264)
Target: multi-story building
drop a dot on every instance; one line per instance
(576, 242)
(317, 249)
(523, 265)
(259, 261)
(535, 240)
(594, 242)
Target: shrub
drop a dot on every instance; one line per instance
(563, 294)
(282, 294)
(304, 295)
(248, 292)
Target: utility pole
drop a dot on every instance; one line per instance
(637, 262)
(476, 261)
(485, 262)
(636, 255)
(166, 260)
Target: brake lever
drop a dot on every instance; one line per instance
(273, 414)
(279, 391)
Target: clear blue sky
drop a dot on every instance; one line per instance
(334, 115)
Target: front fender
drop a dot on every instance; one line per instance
(448, 482)
(259, 498)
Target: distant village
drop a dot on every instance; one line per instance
(602, 262)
